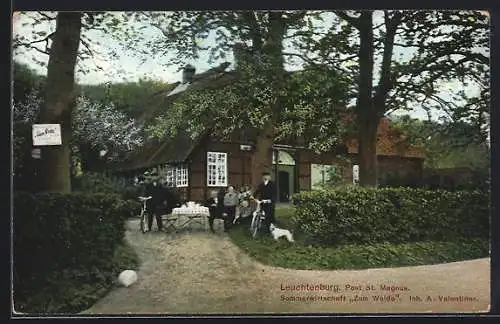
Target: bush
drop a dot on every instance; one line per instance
(100, 183)
(355, 215)
(54, 234)
(129, 208)
(302, 256)
(92, 182)
(75, 289)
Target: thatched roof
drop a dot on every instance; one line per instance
(175, 150)
(178, 148)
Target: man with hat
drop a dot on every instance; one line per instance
(266, 192)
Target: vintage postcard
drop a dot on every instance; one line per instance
(251, 162)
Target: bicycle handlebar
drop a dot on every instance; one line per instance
(145, 198)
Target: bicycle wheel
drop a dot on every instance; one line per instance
(254, 227)
(143, 225)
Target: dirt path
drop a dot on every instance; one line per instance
(207, 273)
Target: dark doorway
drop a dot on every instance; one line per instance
(284, 186)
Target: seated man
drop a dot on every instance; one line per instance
(231, 200)
(215, 208)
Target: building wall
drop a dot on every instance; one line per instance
(308, 157)
(410, 170)
(239, 166)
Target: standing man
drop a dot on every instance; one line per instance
(266, 191)
(154, 205)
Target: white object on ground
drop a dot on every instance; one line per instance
(127, 278)
(279, 232)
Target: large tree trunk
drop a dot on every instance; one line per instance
(59, 100)
(273, 51)
(262, 156)
(367, 150)
(367, 119)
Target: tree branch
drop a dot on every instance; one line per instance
(31, 47)
(353, 21)
(255, 30)
(45, 39)
(386, 82)
(302, 57)
(46, 16)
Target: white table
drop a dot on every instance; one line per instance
(186, 216)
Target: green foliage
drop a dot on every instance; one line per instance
(129, 98)
(26, 84)
(355, 215)
(67, 249)
(25, 81)
(73, 290)
(447, 144)
(306, 108)
(306, 256)
(34, 40)
(311, 98)
(303, 256)
(91, 182)
(333, 177)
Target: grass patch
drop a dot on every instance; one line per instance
(301, 255)
(74, 290)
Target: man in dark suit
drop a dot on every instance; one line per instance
(153, 206)
(267, 191)
(171, 198)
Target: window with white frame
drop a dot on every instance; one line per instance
(216, 169)
(175, 176)
(181, 178)
(170, 176)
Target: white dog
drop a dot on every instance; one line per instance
(279, 232)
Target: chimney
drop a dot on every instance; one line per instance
(188, 73)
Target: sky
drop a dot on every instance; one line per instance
(128, 67)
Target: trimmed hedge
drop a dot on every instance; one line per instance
(57, 232)
(356, 215)
(91, 183)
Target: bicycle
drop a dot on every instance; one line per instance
(258, 218)
(144, 214)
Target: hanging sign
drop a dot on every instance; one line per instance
(46, 134)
